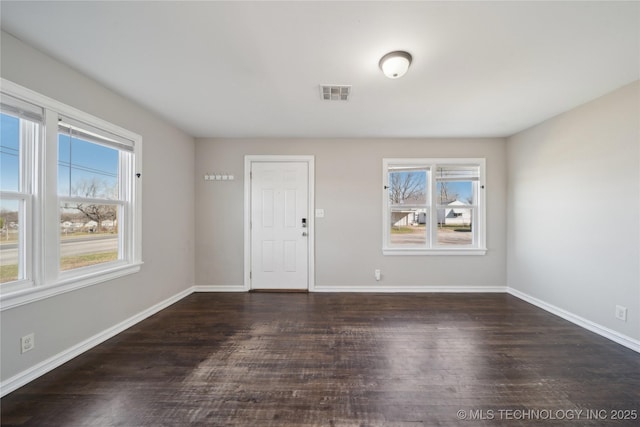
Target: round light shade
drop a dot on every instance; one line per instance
(395, 64)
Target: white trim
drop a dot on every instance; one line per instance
(64, 356)
(310, 160)
(603, 331)
(36, 293)
(247, 223)
(311, 222)
(76, 199)
(214, 288)
(49, 263)
(442, 251)
(370, 289)
(413, 289)
(26, 94)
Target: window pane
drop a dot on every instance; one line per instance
(10, 240)
(455, 225)
(407, 185)
(408, 227)
(9, 153)
(86, 169)
(452, 191)
(89, 235)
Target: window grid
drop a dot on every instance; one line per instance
(449, 220)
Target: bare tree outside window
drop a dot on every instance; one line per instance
(99, 213)
(446, 193)
(88, 183)
(408, 194)
(407, 187)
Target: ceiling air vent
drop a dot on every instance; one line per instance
(335, 92)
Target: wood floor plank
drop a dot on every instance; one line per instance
(293, 359)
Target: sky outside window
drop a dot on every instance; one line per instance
(9, 153)
(86, 169)
(456, 190)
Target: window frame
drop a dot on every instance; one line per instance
(43, 224)
(122, 201)
(25, 193)
(431, 247)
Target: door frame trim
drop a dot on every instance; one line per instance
(249, 159)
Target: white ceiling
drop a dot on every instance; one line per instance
(253, 69)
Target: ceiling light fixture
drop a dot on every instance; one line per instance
(395, 64)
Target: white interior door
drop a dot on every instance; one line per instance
(279, 225)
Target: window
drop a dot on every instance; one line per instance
(69, 190)
(434, 207)
(21, 126)
(92, 192)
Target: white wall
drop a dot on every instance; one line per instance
(573, 209)
(349, 238)
(167, 201)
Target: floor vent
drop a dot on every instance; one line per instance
(335, 92)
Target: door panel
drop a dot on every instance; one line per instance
(279, 242)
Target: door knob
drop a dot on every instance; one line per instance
(304, 233)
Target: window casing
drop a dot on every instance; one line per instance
(434, 206)
(79, 203)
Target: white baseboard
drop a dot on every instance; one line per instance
(603, 331)
(412, 289)
(212, 288)
(53, 362)
(369, 289)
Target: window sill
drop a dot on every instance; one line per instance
(432, 252)
(33, 293)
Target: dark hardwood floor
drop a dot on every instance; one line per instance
(269, 359)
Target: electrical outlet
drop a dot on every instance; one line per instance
(27, 342)
(376, 273)
(621, 313)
